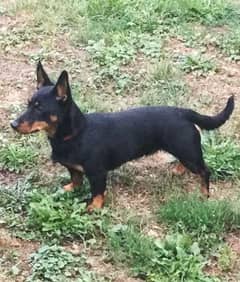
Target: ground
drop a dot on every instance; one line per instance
(118, 57)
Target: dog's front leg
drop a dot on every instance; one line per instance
(98, 187)
(76, 179)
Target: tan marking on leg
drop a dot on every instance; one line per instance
(97, 203)
(75, 183)
(198, 128)
(69, 187)
(204, 191)
(179, 169)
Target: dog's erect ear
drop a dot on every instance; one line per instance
(62, 87)
(42, 77)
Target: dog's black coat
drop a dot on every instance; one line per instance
(100, 142)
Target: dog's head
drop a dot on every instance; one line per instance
(47, 106)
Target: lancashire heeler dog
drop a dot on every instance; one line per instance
(99, 142)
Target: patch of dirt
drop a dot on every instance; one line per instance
(176, 47)
(224, 190)
(124, 199)
(97, 264)
(23, 249)
(4, 118)
(129, 204)
(16, 82)
(138, 198)
(233, 273)
(8, 22)
(62, 55)
(233, 240)
(159, 159)
(8, 178)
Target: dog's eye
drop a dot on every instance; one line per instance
(36, 105)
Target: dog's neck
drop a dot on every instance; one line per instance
(72, 124)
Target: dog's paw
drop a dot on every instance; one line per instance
(205, 192)
(69, 187)
(97, 203)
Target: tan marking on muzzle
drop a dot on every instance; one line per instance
(39, 125)
(24, 127)
(27, 128)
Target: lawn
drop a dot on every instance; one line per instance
(121, 54)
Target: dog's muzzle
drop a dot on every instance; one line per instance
(14, 124)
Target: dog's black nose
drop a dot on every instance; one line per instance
(14, 124)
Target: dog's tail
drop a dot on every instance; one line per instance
(212, 122)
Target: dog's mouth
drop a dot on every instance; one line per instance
(27, 128)
(34, 131)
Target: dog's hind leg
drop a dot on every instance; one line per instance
(200, 169)
(197, 166)
(189, 152)
(205, 175)
(98, 187)
(76, 179)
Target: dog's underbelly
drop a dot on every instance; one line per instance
(76, 167)
(116, 160)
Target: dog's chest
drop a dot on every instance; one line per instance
(65, 153)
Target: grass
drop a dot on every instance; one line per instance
(206, 221)
(61, 216)
(54, 216)
(222, 154)
(111, 16)
(54, 263)
(226, 258)
(32, 210)
(165, 87)
(196, 215)
(112, 60)
(15, 38)
(90, 100)
(16, 157)
(229, 44)
(198, 64)
(176, 258)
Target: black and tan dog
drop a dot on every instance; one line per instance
(99, 142)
